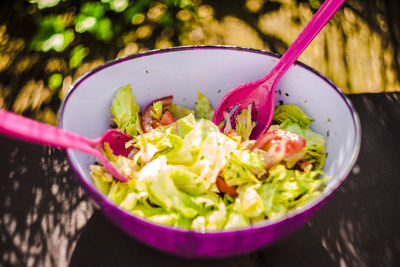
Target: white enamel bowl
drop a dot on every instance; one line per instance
(214, 71)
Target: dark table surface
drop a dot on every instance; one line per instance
(47, 220)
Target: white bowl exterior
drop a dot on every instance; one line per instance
(213, 72)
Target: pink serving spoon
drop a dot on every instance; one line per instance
(19, 127)
(261, 93)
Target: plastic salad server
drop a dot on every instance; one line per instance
(19, 127)
(261, 93)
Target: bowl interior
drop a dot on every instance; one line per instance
(213, 71)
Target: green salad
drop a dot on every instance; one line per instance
(184, 172)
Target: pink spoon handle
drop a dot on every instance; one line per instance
(26, 129)
(314, 26)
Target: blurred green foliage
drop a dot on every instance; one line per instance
(42, 4)
(315, 4)
(94, 17)
(68, 25)
(52, 34)
(77, 55)
(55, 81)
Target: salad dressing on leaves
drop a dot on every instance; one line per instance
(184, 172)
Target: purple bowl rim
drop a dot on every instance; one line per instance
(266, 223)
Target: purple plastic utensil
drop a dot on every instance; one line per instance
(17, 126)
(261, 93)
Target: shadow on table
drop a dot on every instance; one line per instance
(42, 207)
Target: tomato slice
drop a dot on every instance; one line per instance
(167, 118)
(304, 165)
(233, 133)
(225, 188)
(285, 141)
(147, 120)
(279, 144)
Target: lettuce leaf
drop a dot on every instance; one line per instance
(165, 217)
(291, 113)
(186, 124)
(236, 220)
(130, 201)
(102, 178)
(286, 189)
(213, 149)
(203, 107)
(249, 201)
(144, 209)
(156, 112)
(187, 181)
(126, 112)
(216, 219)
(178, 111)
(243, 166)
(163, 192)
(199, 223)
(244, 124)
(171, 142)
(118, 191)
(206, 202)
(212, 213)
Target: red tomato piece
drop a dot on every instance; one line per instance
(147, 120)
(279, 144)
(233, 133)
(225, 188)
(167, 118)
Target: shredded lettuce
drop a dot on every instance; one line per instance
(292, 113)
(286, 189)
(173, 174)
(244, 125)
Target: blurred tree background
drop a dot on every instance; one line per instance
(45, 45)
